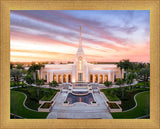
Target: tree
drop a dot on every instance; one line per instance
(29, 79)
(144, 73)
(107, 83)
(53, 83)
(141, 65)
(126, 65)
(120, 82)
(130, 78)
(16, 74)
(20, 66)
(40, 82)
(120, 65)
(33, 68)
(11, 66)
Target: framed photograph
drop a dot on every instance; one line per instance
(79, 64)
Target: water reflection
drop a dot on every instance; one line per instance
(80, 98)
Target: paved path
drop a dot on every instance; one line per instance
(79, 110)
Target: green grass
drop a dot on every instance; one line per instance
(110, 94)
(34, 94)
(129, 103)
(143, 107)
(49, 97)
(147, 84)
(17, 107)
(127, 99)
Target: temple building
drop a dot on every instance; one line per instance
(80, 70)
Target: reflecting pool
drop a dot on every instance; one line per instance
(72, 98)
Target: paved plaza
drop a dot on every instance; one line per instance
(79, 110)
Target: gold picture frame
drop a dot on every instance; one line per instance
(7, 5)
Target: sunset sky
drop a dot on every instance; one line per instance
(107, 36)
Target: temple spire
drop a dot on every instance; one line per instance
(80, 41)
(80, 49)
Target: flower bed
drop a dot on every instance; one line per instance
(113, 105)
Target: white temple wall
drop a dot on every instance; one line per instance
(74, 73)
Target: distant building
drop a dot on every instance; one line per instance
(80, 70)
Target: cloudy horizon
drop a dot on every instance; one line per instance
(107, 36)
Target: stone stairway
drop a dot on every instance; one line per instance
(79, 110)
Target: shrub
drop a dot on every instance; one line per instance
(107, 83)
(119, 81)
(46, 105)
(34, 94)
(53, 83)
(66, 101)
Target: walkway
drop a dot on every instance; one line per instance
(79, 110)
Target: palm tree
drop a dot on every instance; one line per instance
(40, 65)
(33, 68)
(120, 82)
(29, 79)
(130, 78)
(126, 65)
(20, 66)
(144, 73)
(16, 74)
(141, 65)
(120, 65)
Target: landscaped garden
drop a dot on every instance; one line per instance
(34, 94)
(110, 94)
(142, 109)
(125, 95)
(18, 108)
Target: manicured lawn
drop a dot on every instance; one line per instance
(147, 84)
(129, 102)
(34, 94)
(17, 107)
(127, 98)
(110, 94)
(48, 97)
(143, 107)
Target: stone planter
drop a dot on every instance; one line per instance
(93, 104)
(119, 109)
(115, 110)
(66, 104)
(41, 109)
(117, 102)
